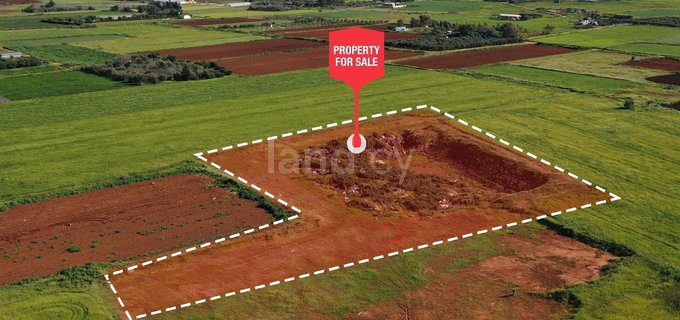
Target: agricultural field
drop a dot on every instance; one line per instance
(556, 78)
(64, 53)
(597, 63)
(535, 179)
(636, 39)
(52, 83)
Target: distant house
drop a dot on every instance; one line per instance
(186, 17)
(174, 1)
(7, 54)
(238, 4)
(589, 22)
(400, 28)
(392, 5)
(513, 17)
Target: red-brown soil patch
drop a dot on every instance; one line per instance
(116, 223)
(289, 61)
(672, 79)
(250, 48)
(209, 22)
(674, 105)
(332, 232)
(486, 56)
(656, 63)
(484, 290)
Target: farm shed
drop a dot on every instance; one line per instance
(506, 16)
(7, 54)
(239, 4)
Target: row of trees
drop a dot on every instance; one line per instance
(52, 6)
(21, 62)
(444, 35)
(283, 5)
(153, 68)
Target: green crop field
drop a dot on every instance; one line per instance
(618, 35)
(124, 37)
(65, 53)
(555, 78)
(597, 63)
(637, 8)
(36, 85)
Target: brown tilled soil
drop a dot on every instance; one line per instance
(485, 56)
(209, 22)
(656, 63)
(458, 165)
(117, 223)
(250, 48)
(672, 79)
(537, 263)
(674, 105)
(289, 61)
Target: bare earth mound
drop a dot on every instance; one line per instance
(116, 223)
(475, 185)
(657, 63)
(486, 56)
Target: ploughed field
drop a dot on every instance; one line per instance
(289, 61)
(117, 223)
(455, 183)
(480, 57)
(656, 63)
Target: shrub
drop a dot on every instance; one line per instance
(73, 249)
(629, 104)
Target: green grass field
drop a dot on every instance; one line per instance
(64, 53)
(123, 37)
(597, 63)
(620, 35)
(48, 84)
(560, 79)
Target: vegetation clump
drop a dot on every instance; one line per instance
(444, 35)
(153, 68)
(20, 62)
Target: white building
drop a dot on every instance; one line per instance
(186, 17)
(238, 4)
(7, 54)
(506, 16)
(393, 5)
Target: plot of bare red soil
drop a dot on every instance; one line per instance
(250, 48)
(289, 61)
(456, 183)
(486, 56)
(535, 263)
(672, 79)
(116, 223)
(209, 22)
(657, 63)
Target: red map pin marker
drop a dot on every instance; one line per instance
(356, 56)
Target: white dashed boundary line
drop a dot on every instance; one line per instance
(611, 197)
